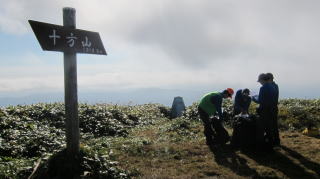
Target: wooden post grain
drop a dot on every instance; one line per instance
(71, 92)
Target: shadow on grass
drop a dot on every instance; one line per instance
(287, 166)
(224, 155)
(318, 136)
(304, 161)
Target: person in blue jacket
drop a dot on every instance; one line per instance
(242, 102)
(267, 100)
(276, 138)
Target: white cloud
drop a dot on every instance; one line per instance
(28, 83)
(176, 44)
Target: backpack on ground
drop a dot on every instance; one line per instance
(221, 135)
(244, 132)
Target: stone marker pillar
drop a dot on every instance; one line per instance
(177, 107)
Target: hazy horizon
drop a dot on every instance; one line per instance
(124, 97)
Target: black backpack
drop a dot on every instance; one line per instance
(244, 132)
(220, 134)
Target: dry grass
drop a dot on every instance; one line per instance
(167, 157)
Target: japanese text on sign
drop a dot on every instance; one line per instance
(59, 38)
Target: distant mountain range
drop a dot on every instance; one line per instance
(137, 96)
(130, 96)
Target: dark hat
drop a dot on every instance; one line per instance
(269, 76)
(262, 77)
(246, 90)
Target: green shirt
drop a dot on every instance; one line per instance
(206, 103)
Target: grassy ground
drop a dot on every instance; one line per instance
(177, 149)
(144, 141)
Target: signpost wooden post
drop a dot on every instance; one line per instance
(70, 41)
(70, 88)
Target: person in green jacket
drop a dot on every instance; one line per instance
(210, 105)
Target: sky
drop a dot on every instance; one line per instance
(193, 46)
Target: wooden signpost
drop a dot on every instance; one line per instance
(69, 40)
